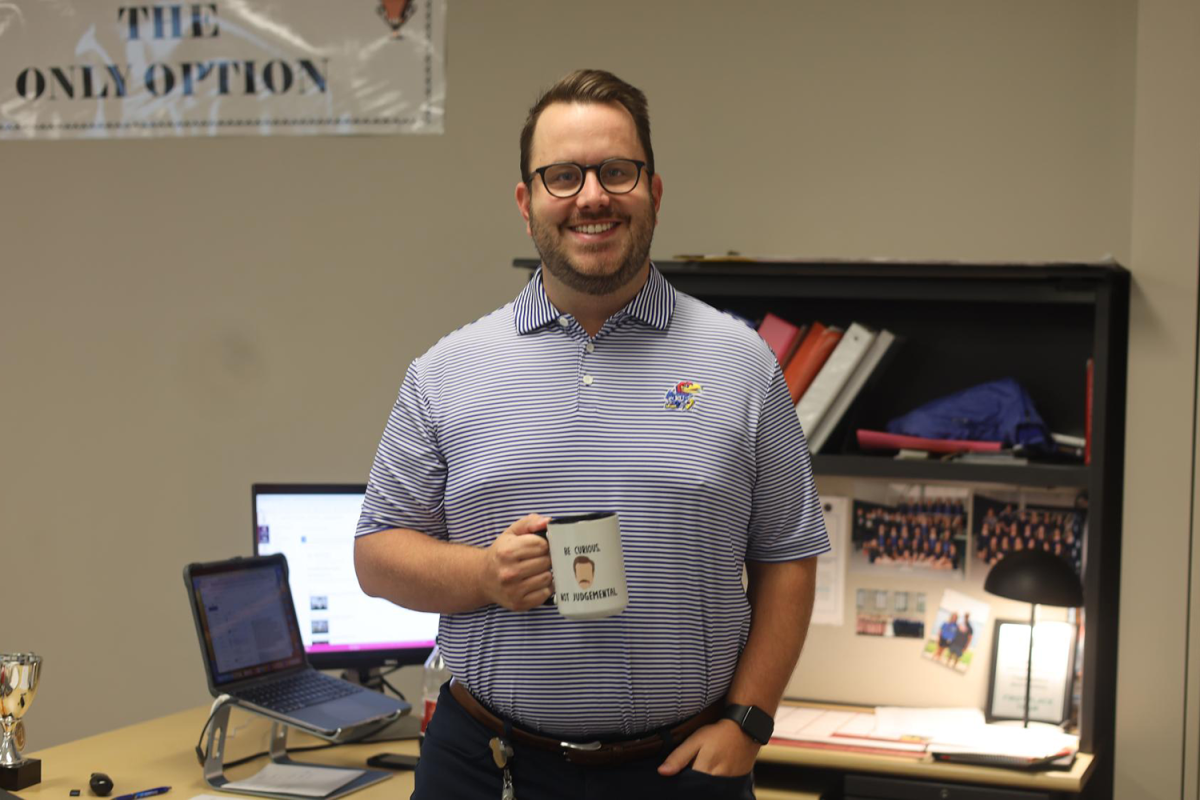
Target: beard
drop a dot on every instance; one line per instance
(622, 266)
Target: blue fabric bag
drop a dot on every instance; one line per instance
(999, 411)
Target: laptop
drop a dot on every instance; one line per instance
(250, 639)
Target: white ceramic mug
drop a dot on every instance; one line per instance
(588, 565)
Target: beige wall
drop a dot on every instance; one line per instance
(180, 318)
(1153, 742)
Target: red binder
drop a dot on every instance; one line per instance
(881, 440)
(1091, 373)
(782, 336)
(810, 357)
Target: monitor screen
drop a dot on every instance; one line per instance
(342, 628)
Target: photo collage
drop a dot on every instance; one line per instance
(935, 533)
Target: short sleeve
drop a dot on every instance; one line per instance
(786, 522)
(408, 479)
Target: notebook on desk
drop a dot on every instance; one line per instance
(1064, 760)
(250, 640)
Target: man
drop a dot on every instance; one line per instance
(598, 388)
(585, 571)
(962, 639)
(946, 635)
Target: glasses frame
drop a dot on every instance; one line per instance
(583, 168)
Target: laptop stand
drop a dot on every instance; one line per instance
(214, 767)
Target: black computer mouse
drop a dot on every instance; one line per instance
(101, 784)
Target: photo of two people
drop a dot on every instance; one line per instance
(957, 630)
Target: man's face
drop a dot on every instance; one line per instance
(594, 242)
(584, 574)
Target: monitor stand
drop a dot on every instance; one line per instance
(366, 677)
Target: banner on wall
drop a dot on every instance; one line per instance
(110, 69)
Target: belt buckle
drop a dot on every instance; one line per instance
(578, 747)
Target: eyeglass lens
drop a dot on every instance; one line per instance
(617, 176)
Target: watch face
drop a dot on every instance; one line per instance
(760, 724)
(756, 723)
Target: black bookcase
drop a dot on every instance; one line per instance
(960, 325)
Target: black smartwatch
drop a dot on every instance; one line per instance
(754, 722)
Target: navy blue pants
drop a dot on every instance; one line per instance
(456, 764)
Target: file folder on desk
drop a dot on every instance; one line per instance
(1064, 760)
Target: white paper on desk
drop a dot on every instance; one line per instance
(824, 726)
(790, 720)
(894, 722)
(1004, 740)
(302, 779)
(862, 726)
(831, 727)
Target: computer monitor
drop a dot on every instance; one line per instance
(342, 628)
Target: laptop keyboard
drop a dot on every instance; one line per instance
(298, 691)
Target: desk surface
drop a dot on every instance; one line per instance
(161, 752)
(1068, 781)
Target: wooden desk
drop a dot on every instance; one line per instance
(161, 752)
(1065, 782)
(1051, 781)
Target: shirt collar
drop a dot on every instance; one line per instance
(653, 305)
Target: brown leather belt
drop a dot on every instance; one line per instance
(590, 754)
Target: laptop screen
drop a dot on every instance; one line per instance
(246, 618)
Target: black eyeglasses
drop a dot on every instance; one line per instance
(616, 176)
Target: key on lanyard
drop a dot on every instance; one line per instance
(501, 752)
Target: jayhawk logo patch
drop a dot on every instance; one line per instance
(683, 396)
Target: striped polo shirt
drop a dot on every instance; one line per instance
(521, 412)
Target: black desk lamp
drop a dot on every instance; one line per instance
(1039, 578)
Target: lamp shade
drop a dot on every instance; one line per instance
(1035, 576)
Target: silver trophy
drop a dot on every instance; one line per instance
(19, 677)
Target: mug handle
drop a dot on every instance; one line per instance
(552, 600)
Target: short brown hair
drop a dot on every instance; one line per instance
(590, 86)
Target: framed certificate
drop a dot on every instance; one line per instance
(1053, 668)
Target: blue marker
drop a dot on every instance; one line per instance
(144, 793)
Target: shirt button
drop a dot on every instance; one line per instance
(591, 348)
(563, 321)
(587, 380)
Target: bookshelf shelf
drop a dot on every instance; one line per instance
(883, 467)
(959, 325)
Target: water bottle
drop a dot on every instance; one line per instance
(435, 675)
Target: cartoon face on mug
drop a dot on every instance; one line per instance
(585, 571)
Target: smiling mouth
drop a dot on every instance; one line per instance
(594, 227)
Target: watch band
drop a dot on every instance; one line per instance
(754, 722)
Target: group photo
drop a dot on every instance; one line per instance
(1001, 527)
(926, 535)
